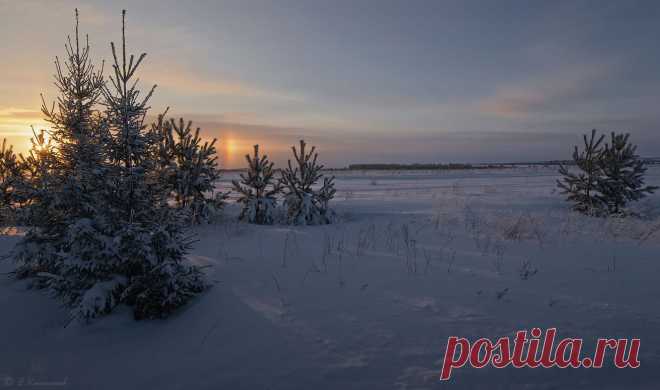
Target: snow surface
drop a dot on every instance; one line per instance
(369, 303)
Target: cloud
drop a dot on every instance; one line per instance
(15, 125)
(19, 120)
(513, 103)
(558, 92)
(18, 113)
(180, 79)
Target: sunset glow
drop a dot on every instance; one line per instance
(16, 126)
(420, 86)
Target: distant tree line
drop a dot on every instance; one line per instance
(398, 167)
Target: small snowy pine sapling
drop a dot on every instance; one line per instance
(623, 179)
(581, 188)
(192, 168)
(258, 190)
(304, 204)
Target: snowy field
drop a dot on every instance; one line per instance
(368, 303)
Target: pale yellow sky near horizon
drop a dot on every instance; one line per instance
(16, 126)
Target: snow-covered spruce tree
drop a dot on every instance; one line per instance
(581, 187)
(305, 205)
(11, 179)
(78, 130)
(623, 174)
(108, 236)
(65, 183)
(191, 168)
(149, 241)
(258, 190)
(61, 195)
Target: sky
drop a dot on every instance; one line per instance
(364, 81)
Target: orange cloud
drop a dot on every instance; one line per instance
(15, 126)
(561, 90)
(512, 103)
(187, 81)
